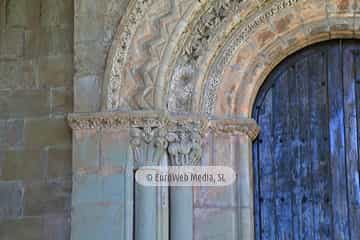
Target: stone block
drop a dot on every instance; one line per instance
(312, 10)
(57, 13)
(264, 36)
(339, 27)
(12, 43)
(341, 6)
(3, 135)
(57, 227)
(90, 58)
(56, 41)
(59, 162)
(99, 188)
(87, 94)
(224, 147)
(23, 13)
(15, 135)
(215, 223)
(319, 29)
(10, 76)
(106, 221)
(90, 7)
(47, 132)
(33, 13)
(287, 20)
(16, 13)
(11, 200)
(115, 147)
(16, 74)
(89, 28)
(87, 188)
(25, 228)
(23, 165)
(86, 151)
(32, 43)
(51, 197)
(215, 197)
(29, 70)
(56, 71)
(114, 187)
(24, 103)
(61, 100)
(246, 225)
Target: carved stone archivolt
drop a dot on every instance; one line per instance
(154, 135)
(171, 54)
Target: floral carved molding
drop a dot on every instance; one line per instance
(203, 123)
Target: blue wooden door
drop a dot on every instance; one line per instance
(306, 159)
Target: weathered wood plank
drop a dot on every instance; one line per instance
(337, 145)
(283, 181)
(304, 169)
(319, 157)
(293, 145)
(266, 172)
(350, 70)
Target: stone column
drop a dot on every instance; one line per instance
(185, 149)
(148, 148)
(109, 147)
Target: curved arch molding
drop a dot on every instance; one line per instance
(212, 56)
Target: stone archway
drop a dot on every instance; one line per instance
(204, 40)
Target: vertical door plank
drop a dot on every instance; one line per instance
(356, 196)
(337, 145)
(294, 151)
(283, 181)
(266, 171)
(256, 165)
(350, 70)
(303, 203)
(319, 158)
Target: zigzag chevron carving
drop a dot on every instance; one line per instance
(147, 49)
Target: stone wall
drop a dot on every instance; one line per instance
(96, 23)
(36, 92)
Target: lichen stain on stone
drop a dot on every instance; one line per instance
(283, 23)
(263, 37)
(343, 4)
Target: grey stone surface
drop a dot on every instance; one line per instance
(24, 165)
(11, 200)
(87, 94)
(59, 162)
(36, 93)
(53, 132)
(47, 197)
(11, 133)
(95, 25)
(57, 227)
(24, 103)
(30, 228)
